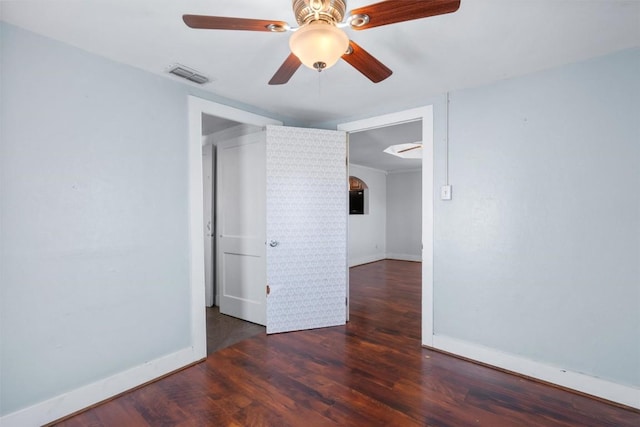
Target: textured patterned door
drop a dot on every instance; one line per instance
(306, 228)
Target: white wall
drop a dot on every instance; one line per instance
(538, 253)
(393, 227)
(367, 233)
(404, 215)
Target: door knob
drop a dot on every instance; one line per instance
(273, 243)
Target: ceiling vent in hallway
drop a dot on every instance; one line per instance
(188, 73)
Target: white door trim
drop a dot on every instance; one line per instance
(426, 115)
(197, 107)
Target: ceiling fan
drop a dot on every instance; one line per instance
(319, 41)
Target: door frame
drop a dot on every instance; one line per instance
(197, 107)
(426, 115)
(209, 235)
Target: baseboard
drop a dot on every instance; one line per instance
(366, 260)
(405, 257)
(622, 394)
(83, 397)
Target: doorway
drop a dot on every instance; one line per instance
(224, 327)
(314, 158)
(385, 219)
(223, 122)
(424, 116)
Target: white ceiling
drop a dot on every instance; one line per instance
(213, 124)
(484, 41)
(366, 147)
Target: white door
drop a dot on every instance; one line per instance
(207, 186)
(241, 227)
(306, 228)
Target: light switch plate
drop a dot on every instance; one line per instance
(445, 192)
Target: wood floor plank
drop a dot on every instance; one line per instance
(371, 372)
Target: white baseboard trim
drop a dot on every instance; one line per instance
(604, 389)
(405, 257)
(366, 259)
(83, 397)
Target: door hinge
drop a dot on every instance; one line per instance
(268, 289)
(346, 301)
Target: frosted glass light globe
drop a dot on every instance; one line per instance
(319, 44)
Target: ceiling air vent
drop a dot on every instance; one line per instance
(188, 73)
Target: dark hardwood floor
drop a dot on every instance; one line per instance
(223, 330)
(371, 372)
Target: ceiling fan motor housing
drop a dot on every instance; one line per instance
(331, 11)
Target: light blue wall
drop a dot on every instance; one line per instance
(367, 233)
(404, 215)
(538, 253)
(93, 218)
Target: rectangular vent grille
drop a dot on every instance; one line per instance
(188, 73)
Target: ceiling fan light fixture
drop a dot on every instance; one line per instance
(358, 20)
(277, 28)
(319, 44)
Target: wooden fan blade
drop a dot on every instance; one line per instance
(392, 11)
(226, 23)
(286, 70)
(409, 149)
(364, 62)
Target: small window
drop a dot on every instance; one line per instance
(357, 196)
(356, 202)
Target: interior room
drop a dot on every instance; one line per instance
(160, 158)
(390, 224)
